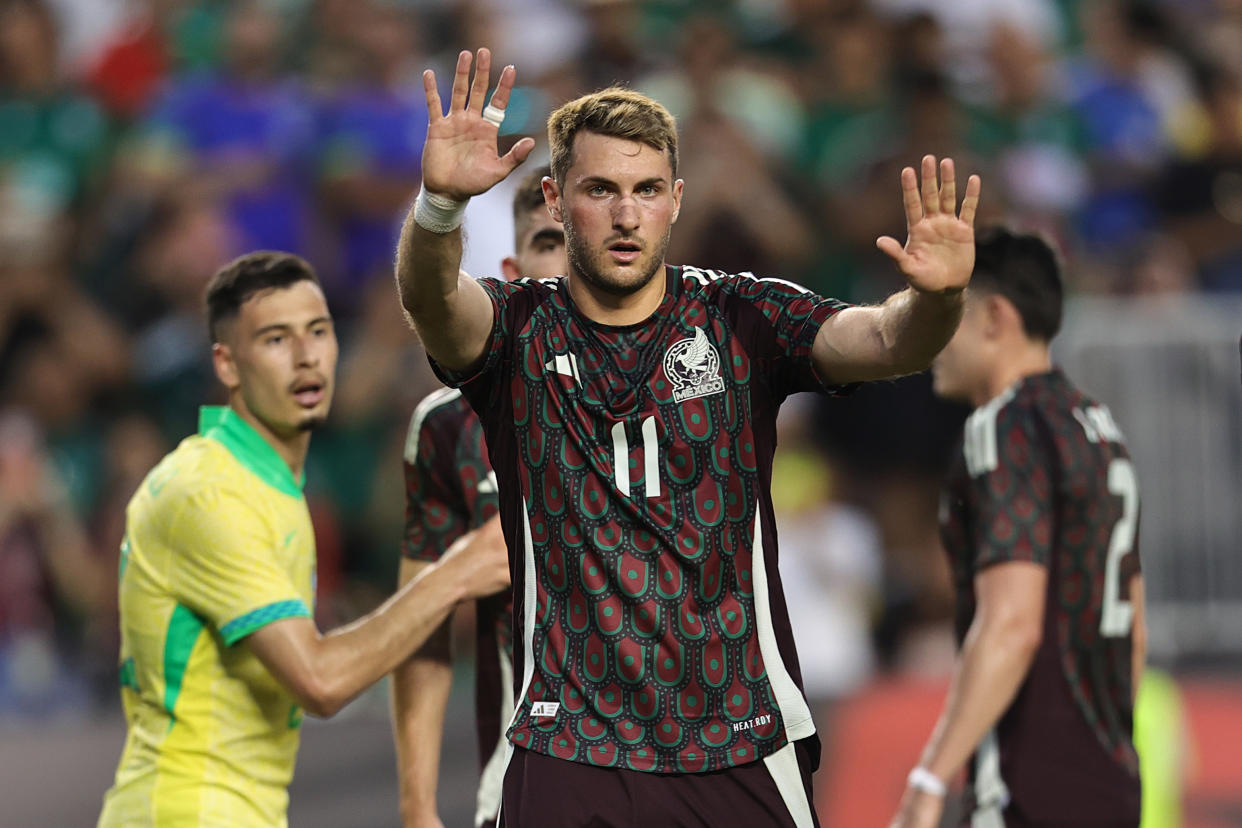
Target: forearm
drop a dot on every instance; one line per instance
(992, 666)
(353, 657)
(420, 692)
(915, 325)
(449, 310)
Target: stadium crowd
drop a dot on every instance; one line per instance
(144, 143)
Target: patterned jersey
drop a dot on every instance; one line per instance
(218, 543)
(1044, 476)
(450, 489)
(634, 466)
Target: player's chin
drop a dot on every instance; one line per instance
(313, 419)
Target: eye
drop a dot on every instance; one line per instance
(274, 339)
(596, 190)
(649, 190)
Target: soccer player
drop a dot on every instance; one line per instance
(1040, 520)
(629, 410)
(451, 489)
(219, 655)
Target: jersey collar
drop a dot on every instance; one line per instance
(221, 423)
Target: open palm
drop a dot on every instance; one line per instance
(939, 252)
(460, 158)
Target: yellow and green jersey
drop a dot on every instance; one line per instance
(218, 544)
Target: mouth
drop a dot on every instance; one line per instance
(309, 392)
(625, 252)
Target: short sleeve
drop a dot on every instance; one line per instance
(432, 522)
(225, 568)
(504, 297)
(1010, 463)
(793, 317)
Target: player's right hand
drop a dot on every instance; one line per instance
(460, 158)
(481, 560)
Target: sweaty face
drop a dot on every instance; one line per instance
(284, 352)
(618, 205)
(960, 369)
(541, 246)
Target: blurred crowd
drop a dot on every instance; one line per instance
(145, 142)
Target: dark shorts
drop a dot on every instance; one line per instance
(545, 792)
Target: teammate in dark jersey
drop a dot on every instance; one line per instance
(629, 410)
(450, 489)
(1040, 521)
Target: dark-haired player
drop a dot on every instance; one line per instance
(629, 410)
(219, 655)
(450, 489)
(1040, 520)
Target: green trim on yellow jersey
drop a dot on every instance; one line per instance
(222, 424)
(184, 627)
(243, 626)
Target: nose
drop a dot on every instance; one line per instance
(625, 216)
(305, 354)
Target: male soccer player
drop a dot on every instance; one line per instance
(1040, 520)
(450, 489)
(629, 410)
(219, 652)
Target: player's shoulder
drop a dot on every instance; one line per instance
(201, 474)
(703, 280)
(536, 288)
(443, 410)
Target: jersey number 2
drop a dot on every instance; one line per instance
(1118, 613)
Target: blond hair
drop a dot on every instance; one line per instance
(616, 112)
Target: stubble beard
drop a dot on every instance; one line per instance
(584, 264)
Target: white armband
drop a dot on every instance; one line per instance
(921, 779)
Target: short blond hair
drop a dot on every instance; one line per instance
(616, 112)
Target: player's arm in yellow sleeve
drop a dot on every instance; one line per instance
(227, 574)
(324, 671)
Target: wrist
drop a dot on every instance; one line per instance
(438, 213)
(922, 779)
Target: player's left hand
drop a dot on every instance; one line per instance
(939, 253)
(919, 809)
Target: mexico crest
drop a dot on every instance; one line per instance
(693, 366)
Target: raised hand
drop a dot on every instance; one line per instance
(460, 158)
(939, 253)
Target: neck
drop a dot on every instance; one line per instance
(612, 309)
(1030, 359)
(292, 448)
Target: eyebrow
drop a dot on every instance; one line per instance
(591, 181)
(285, 326)
(548, 234)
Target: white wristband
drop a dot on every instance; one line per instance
(921, 779)
(437, 213)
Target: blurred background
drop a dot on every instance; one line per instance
(145, 142)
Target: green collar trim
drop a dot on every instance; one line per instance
(222, 424)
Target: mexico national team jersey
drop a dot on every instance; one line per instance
(1044, 476)
(450, 489)
(634, 466)
(218, 544)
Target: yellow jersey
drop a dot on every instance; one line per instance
(218, 543)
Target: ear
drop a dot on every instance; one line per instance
(552, 197)
(678, 186)
(225, 366)
(1000, 316)
(509, 267)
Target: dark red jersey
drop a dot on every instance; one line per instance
(1044, 476)
(634, 466)
(450, 489)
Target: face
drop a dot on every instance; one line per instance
(540, 249)
(279, 355)
(961, 367)
(618, 205)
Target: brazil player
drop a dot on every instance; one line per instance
(1040, 520)
(629, 410)
(450, 489)
(219, 652)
